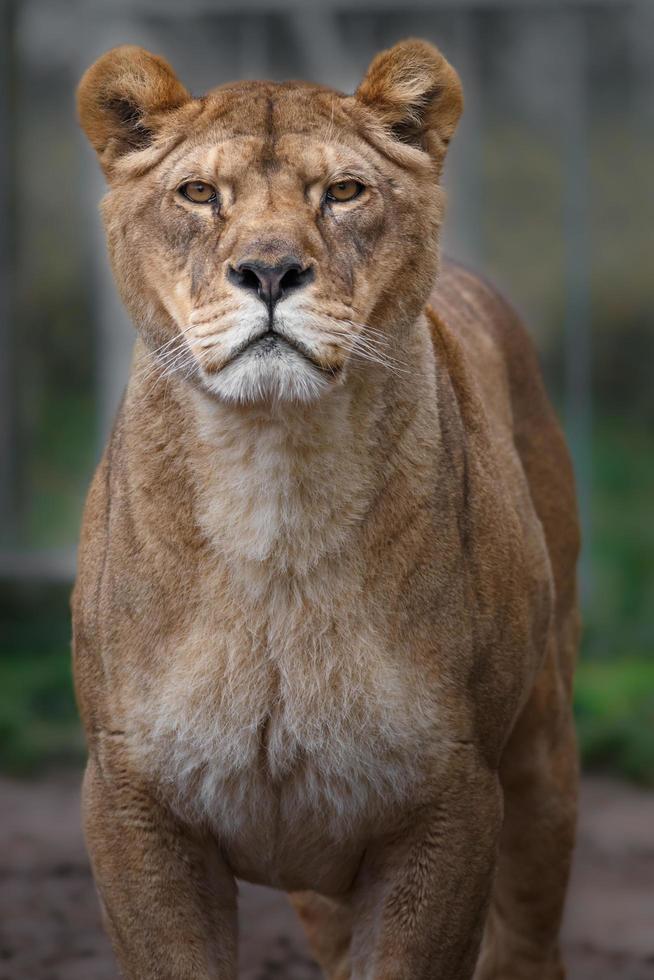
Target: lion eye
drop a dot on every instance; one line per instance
(199, 192)
(344, 190)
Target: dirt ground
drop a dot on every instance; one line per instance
(50, 928)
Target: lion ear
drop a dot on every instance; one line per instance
(416, 92)
(121, 98)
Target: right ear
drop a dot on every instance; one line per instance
(122, 97)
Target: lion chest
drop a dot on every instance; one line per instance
(311, 723)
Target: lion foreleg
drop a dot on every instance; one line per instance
(421, 896)
(539, 778)
(169, 901)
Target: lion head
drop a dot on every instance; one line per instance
(266, 237)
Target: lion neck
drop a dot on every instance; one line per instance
(283, 490)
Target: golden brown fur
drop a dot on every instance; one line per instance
(325, 617)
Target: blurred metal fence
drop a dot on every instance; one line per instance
(329, 41)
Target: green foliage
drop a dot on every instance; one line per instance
(614, 708)
(38, 719)
(619, 617)
(60, 467)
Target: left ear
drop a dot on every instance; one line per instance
(417, 94)
(121, 99)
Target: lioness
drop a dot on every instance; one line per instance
(325, 617)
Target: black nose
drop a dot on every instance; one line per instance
(270, 282)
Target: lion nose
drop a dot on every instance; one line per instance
(270, 282)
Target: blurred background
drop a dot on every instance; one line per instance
(550, 195)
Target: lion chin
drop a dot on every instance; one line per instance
(269, 371)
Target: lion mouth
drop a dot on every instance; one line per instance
(272, 344)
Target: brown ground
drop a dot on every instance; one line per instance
(50, 930)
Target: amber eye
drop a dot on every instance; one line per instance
(344, 190)
(198, 192)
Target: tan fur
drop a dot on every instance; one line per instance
(325, 617)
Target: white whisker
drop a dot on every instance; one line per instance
(367, 344)
(175, 336)
(174, 360)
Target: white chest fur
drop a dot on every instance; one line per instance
(312, 713)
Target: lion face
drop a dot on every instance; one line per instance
(267, 238)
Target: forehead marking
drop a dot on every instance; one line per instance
(269, 161)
